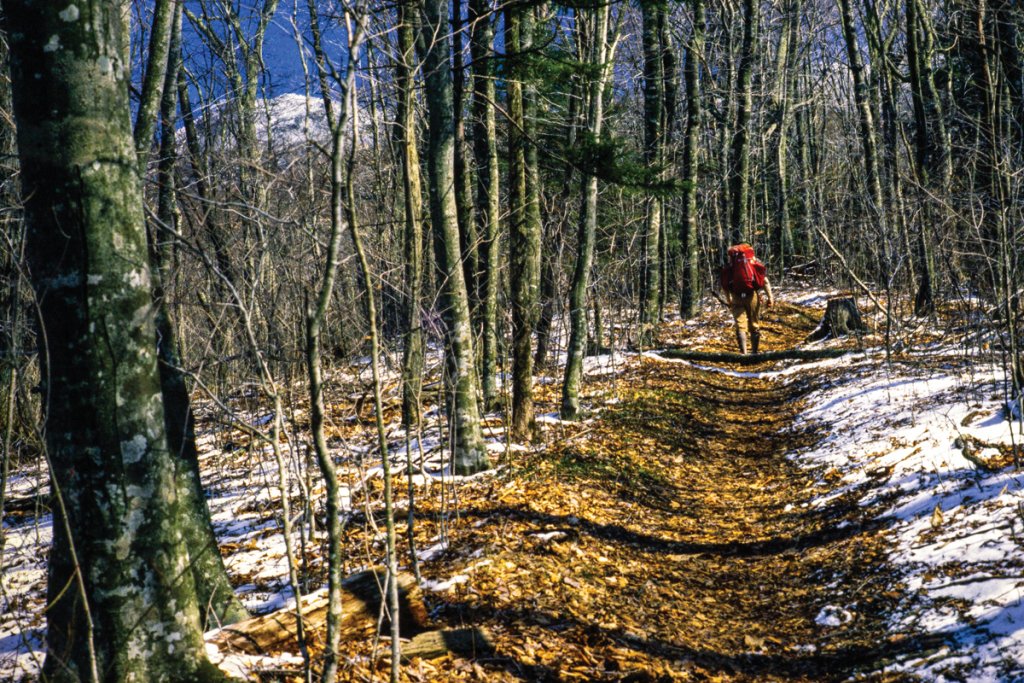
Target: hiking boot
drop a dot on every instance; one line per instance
(741, 339)
(755, 342)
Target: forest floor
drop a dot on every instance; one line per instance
(703, 523)
(670, 539)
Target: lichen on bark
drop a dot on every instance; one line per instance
(105, 433)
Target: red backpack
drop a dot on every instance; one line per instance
(742, 273)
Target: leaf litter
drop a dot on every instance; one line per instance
(704, 523)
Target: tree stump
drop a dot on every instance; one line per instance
(842, 318)
(360, 605)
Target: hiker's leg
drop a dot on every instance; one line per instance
(742, 320)
(754, 318)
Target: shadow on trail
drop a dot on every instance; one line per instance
(812, 664)
(615, 533)
(696, 547)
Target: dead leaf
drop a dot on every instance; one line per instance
(753, 642)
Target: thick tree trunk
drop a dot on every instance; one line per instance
(739, 160)
(220, 605)
(470, 241)
(469, 453)
(753, 358)
(670, 95)
(362, 595)
(841, 319)
(524, 226)
(689, 300)
(467, 643)
(653, 13)
(122, 601)
(488, 196)
(598, 57)
(924, 301)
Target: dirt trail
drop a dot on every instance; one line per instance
(669, 539)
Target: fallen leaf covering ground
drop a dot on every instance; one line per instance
(670, 535)
(665, 538)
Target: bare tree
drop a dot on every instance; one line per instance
(468, 454)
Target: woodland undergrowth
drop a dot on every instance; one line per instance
(665, 537)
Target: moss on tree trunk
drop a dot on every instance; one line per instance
(124, 605)
(469, 453)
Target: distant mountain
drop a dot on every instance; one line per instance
(294, 119)
(288, 121)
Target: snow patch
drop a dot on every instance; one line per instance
(901, 436)
(447, 585)
(831, 616)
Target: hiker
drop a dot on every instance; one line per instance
(744, 284)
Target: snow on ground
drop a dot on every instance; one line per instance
(898, 434)
(911, 438)
(243, 487)
(22, 597)
(898, 439)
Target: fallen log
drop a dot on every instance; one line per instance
(468, 643)
(360, 607)
(753, 358)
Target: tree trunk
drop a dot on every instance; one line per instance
(924, 301)
(689, 300)
(725, 122)
(841, 319)
(469, 643)
(165, 15)
(121, 599)
(865, 118)
(599, 57)
(883, 89)
(361, 609)
(316, 316)
(221, 606)
(653, 13)
(548, 298)
(1009, 39)
(524, 232)
(740, 153)
(669, 214)
(469, 454)
(782, 239)
(370, 300)
(488, 196)
(412, 353)
(463, 173)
